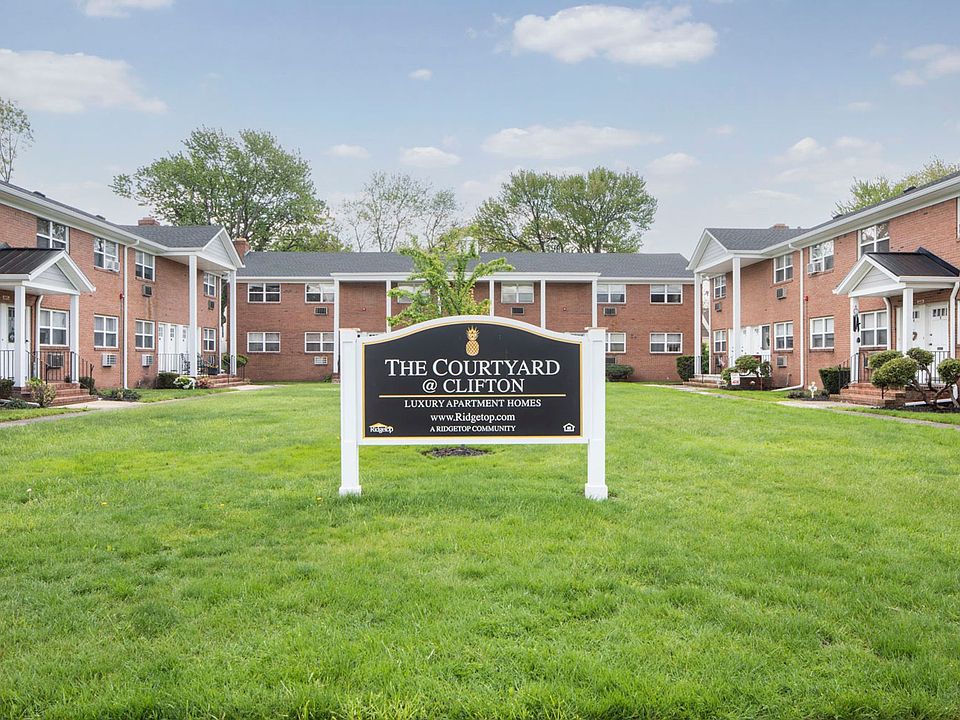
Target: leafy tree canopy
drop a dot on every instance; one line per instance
(868, 192)
(250, 185)
(15, 132)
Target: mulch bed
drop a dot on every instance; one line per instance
(458, 451)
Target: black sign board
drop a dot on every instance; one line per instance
(470, 380)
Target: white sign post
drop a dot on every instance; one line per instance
(394, 384)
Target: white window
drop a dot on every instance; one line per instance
(53, 327)
(263, 293)
(209, 284)
(616, 342)
(607, 293)
(783, 268)
(209, 340)
(719, 341)
(874, 329)
(143, 338)
(145, 266)
(318, 292)
(719, 287)
(764, 337)
(666, 342)
(314, 342)
(875, 238)
(410, 288)
(263, 342)
(51, 235)
(783, 336)
(105, 331)
(516, 293)
(666, 294)
(106, 255)
(821, 333)
(821, 257)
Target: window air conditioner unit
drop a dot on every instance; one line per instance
(611, 360)
(211, 305)
(781, 361)
(108, 360)
(608, 311)
(114, 265)
(147, 290)
(811, 268)
(718, 306)
(781, 293)
(320, 311)
(516, 311)
(146, 360)
(321, 360)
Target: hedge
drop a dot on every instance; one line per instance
(834, 378)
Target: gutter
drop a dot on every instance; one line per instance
(952, 317)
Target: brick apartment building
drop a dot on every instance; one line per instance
(292, 304)
(80, 295)
(882, 277)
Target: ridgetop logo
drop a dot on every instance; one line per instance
(381, 429)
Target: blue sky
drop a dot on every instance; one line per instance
(737, 112)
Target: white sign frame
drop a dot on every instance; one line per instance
(593, 397)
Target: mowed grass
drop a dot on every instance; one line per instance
(149, 395)
(7, 415)
(194, 560)
(944, 418)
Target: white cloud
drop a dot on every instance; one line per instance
(804, 149)
(831, 168)
(931, 62)
(723, 130)
(672, 164)
(859, 106)
(428, 157)
(120, 8)
(51, 82)
(642, 36)
(545, 143)
(348, 151)
(421, 74)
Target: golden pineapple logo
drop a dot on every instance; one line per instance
(473, 347)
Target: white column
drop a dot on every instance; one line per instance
(20, 360)
(336, 325)
(907, 320)
(593, 302)
(389, 305)
(36, 336)
(697, 322)
(543, 303)
(349, 404)
(74, 332)
(801, 331)
(123, 317)
(854, 344)
(490, 296)
(192, 305)
(951, 318)
(736, 309)
(889, 306)
(232, 320)
(596, 413)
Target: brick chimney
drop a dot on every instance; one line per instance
(779, 226)
(242, 246)
(147, 221)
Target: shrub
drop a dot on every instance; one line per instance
(725, 375)
(616, 372)
(878, 360)
(88, 384)
(834, 378)
(225, 361)
(6, 388)
(203, 382)
(16, 404)
(42, 392)
(949, 371)
(747, 365)
(685, 367)
(896, 372)
(120, 394)
(165, 381)
(922, 357)
(185, 382)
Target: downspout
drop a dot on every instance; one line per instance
(889, 306)
(126, 273)
(952, 315)
(36, 335)
(803, 274)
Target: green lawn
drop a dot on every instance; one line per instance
(944, 418)
(764, 395)
(149, 395)
(8, 415)
(194, 560)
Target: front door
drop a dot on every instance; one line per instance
(936, 330)
(8, 338)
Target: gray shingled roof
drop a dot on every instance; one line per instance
(71, 208)
(915, 264)
(747, 239)
(23, 261)
(621, 265)
(175, 236)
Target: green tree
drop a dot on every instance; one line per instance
(250, 185)
(15, 133)
(600, 211)
(522, 216)
(444, 282)
(869, 192)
